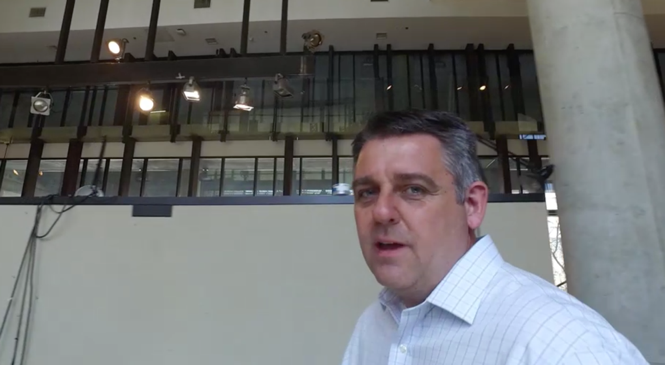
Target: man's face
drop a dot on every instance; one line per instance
(410, 226)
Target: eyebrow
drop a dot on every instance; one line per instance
(403, 177)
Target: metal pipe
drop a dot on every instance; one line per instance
(152, 31)
(64, 32)
(285, 20)
(99, 31)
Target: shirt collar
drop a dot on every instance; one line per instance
(461, 291)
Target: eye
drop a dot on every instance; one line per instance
(414, 190)
(364, 193)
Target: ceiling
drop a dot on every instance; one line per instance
(343, 34)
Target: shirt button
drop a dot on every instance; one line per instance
(402, 349)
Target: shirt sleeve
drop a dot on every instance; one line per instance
(604, 357)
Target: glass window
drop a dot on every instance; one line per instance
(6, 106)
(265, 177)
(417, 82)
(364, 86)
(401, 89)
(462, 87)
(494, 85)
(51, 173)
(161, 178)
(137, 177)
(445, 81)
(23, 116)
(74, 108)
(210, 177)
(493, 175)
(184, 177)
(57, 108)
(238, 176)
(316, 176)
(11, 184)
(89, 173)
(109, 107)
(346, 170)
(530, 88)
(279, 178)
(112, 184)
(201, 109)
(295, 179)
(505, 89)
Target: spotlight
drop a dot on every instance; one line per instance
(244, 102)
(191, 91)
(41, 103)
(507, 87)
(281, 87)
(15, 172)
(117, 47)
(146, 102)
(459, 88)
(313, 39)
(483, 87)
(389, 87)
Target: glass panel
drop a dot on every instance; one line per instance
(90, 171)
(6, 106)
(159, 117)
(316, 176)
(493, 174)
(279, 179)
(201, 109)
(516, 177)
(462, 86)
(530, 88)
(346, 170)
(23, 109)
(506, 91)
(135, 182)
(210, 177)
(183, 110)
(493, 86)
(57, 108)
(95, 101)
(113, 180)
(184, 177)
(50, 177)
(343, 116)
(401, 88)
(161, 178)
(445, 81)
(109, 107)
(364, 86)
(74, 108)
(295, 179)
(416, 75)
(238, 176)
(12, 179)
(265, 176)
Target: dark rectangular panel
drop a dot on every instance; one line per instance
(504, 163)
(160, 211)
(194, 167)
(153, 71)
(32, 169)
(288, 164)
(126, 169)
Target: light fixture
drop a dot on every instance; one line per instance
(389, 87)
(146, 102)
(281, 87)
(41, 173)
(507, 86)
(459, 88)
(483, 87)
(15, 172)
(313, 39)
(41, 103)
(244, 101)
(191, 91)
(117, 47)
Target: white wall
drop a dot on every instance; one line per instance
(213, 284)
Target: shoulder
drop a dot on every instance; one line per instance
(552, 324)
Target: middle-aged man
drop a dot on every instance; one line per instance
(449, 297)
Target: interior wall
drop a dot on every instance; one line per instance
(237, 284)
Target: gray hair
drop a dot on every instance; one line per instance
(457, 141)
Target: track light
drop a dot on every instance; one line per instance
(41, 103)
(313, 39)
(146, 101)
(281, 87)
(244, 101)
(117, 47)
(483, 87)
(191, 91)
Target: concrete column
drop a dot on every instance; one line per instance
(605, 125)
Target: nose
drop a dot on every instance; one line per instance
(384, 210)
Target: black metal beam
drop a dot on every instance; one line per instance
(378, 85)
(126, 169)
(330, 89)
(516, 91)
(69, 179)
(99, 31)
(194, 167)
(244, 37)
(154, 72)
(434, 87)
(473, 83)
(535, 161)
(64, 32)
(284, 25)
(389, 69)
(32, 168)
(288, 164)
(152, 31)
(485, 100)
(504, 163)
(335, 157)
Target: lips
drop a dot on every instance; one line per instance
(388, 245)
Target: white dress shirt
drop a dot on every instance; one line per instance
(486, 311)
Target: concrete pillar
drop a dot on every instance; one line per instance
(605, 125)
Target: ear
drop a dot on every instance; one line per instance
(476, 204)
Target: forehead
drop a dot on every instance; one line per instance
(417, 153)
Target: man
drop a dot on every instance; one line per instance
(449, 297)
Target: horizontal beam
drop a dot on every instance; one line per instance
(90, 74)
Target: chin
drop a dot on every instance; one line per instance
(391, 277)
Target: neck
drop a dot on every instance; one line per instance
(420, 291)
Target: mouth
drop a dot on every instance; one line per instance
(388, 246)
